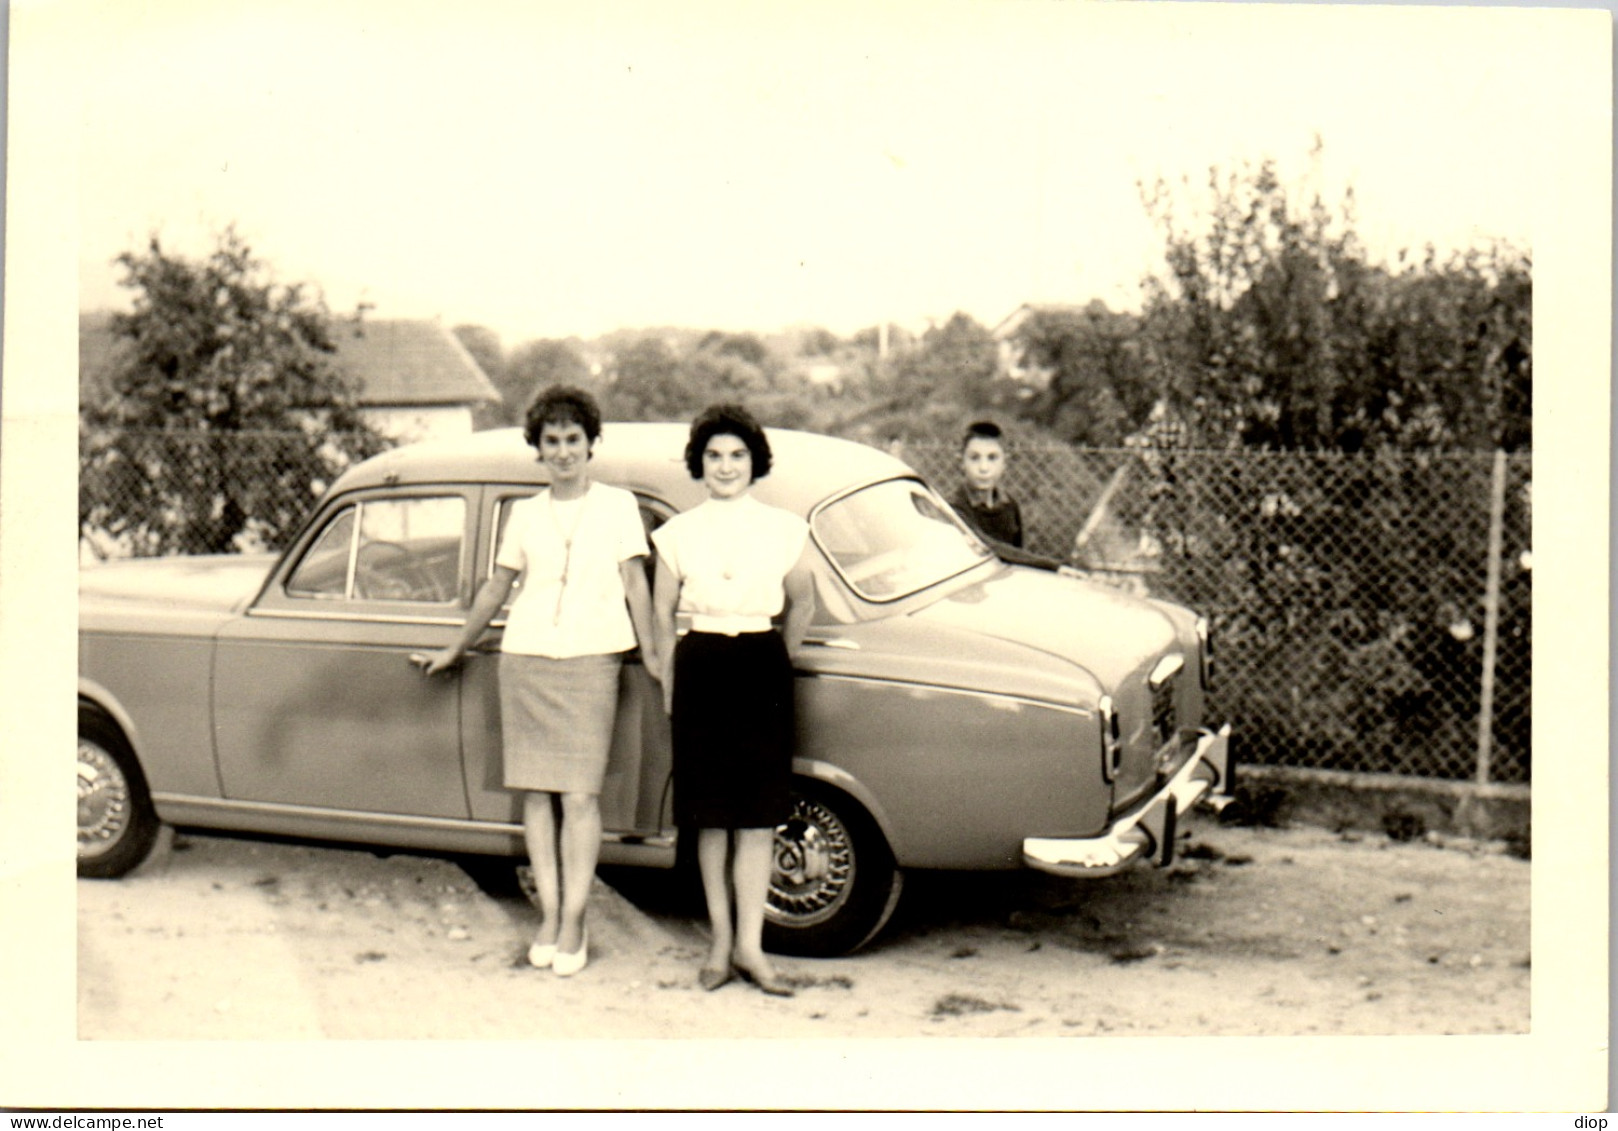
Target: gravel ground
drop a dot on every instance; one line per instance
(1257, 932)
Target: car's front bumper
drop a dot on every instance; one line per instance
(1148, 831)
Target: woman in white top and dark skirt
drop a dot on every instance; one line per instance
(579, 548)
(733, 565)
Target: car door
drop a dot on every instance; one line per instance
(315, 700)
(633, 793)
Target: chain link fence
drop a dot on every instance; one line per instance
(144, 494)
(1361, 621)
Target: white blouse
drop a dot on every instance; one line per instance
(732, 557)
(572, 598)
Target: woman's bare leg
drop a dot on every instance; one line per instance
(539, 833)
(581, 848)
(713, 851)
(753, 849)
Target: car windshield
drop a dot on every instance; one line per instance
(895, 538)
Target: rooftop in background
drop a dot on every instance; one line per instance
(408, 362)
(414, 362)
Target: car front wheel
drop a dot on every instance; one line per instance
(834, 882)
(117, 824)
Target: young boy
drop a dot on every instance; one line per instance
(980, 499)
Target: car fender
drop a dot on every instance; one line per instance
(97, 696)
(840, 779)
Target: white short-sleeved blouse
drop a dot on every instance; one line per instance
(572, 598)
(732, 556)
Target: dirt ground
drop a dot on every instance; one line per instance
(1251, 931)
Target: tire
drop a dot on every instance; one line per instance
(117, 824)
(834, 882)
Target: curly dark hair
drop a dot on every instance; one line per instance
(727, 420)
(562, 405)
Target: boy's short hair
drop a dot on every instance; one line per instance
(561, 405)
(982, 430)
(728, 420)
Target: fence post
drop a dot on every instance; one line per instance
(1491, 617)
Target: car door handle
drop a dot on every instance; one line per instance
(832, 642)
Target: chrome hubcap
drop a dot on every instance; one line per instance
(103, 800)
(814, 867)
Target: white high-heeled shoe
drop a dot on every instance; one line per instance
(541, 955)
(566, 965)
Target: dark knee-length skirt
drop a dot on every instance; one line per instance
(732, 730)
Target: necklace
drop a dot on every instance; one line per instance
(567, 544)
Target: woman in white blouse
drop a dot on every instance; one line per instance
(732, 565)
(579, 548)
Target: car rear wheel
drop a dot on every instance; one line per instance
(834, 882)
(117, 824)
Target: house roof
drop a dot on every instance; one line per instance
(394, 362)
(1011, 323)
(408, 361)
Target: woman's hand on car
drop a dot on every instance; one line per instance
(431, 663)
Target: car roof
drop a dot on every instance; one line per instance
(650, 457)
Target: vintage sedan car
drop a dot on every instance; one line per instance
(955, 711)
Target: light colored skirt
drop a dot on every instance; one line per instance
(556, 720)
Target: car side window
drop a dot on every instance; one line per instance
(323, 572)
(502, 515)
(399, 549)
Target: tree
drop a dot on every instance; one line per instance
(535, 365)
(216, 346)
(817, 341)
(746, 347)
(1270, 328)
(484, 346)
(646, 382)
(934, 387)
(214, 350)
(1100, 389)
(1452, 347)
(731, 366)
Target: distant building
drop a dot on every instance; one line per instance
(415, 380)
(825, 375)
(1007, 337)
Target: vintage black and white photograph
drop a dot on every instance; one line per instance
(999, 535)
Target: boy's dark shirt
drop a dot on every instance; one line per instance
(1000, 521)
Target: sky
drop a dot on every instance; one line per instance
(549, 170)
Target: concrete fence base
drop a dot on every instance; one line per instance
(1400, 806)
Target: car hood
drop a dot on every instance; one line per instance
(1105, 631)
(219, 583)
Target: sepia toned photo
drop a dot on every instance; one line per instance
(915, 557)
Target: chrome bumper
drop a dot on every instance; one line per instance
(1149, 830)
